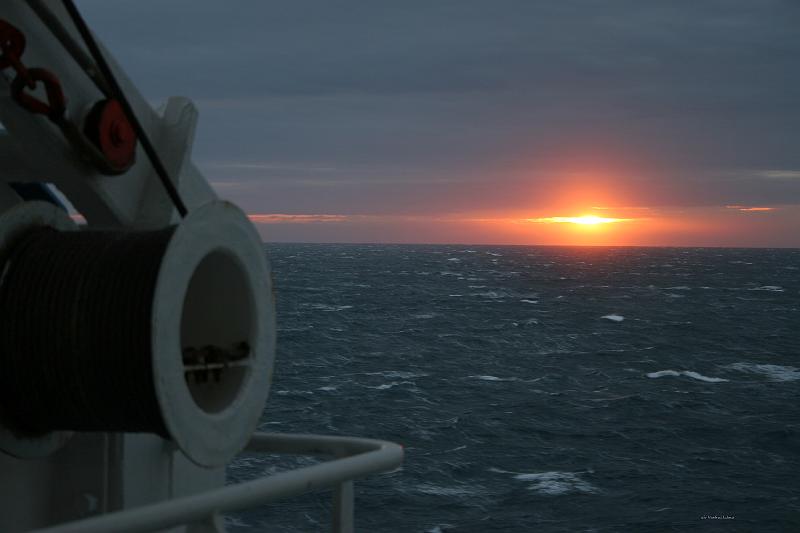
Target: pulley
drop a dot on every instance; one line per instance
(107, 127)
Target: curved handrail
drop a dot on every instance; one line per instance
(354, 457)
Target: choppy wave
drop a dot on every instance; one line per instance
(522, 405)
(328, 307)
(385, 386)
(493, 378)
(441, 528)
(437, 490)
(551, 483)
(556, 483)
(397, 374)
(773, 372)
(508, 379)
(687, 373)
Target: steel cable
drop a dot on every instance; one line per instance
(75, 347)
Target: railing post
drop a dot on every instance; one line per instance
(353, 458)
(213, 524)
(343, 508)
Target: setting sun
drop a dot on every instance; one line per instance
(586, 220)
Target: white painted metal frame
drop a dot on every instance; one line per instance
(136, 482)
(352, 458)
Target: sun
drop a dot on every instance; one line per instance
(584, 220)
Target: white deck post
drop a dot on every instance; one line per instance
(343, 508)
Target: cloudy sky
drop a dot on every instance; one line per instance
(482, 120)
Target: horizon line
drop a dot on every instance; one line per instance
(719, 247)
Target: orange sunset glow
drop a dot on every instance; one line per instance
(576, 196)
(622, 226)
(609, 227)
(585, 220)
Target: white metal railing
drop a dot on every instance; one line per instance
(353, 458)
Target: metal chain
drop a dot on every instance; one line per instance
(12, 44)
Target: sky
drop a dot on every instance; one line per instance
(667, 123)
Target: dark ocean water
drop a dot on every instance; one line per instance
(543, 389)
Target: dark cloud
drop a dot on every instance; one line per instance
(466, 104)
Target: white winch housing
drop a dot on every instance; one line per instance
(209, 311)
(213, 288)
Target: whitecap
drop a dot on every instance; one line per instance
(488, 378)
(701, 377)
(495, 378)
(687, 373)
(770, 288)
(489, 294)
(454, 259)
(392, 385)
(530, 301)
(438, 529)
(328, 388)
(397, 374)
(326, 307)
(556, 483)
(773, 372)
(614, 317)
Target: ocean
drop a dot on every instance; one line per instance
(547, 389)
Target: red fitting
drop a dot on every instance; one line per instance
(55, 105)
(108, 128)
(12, 43)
